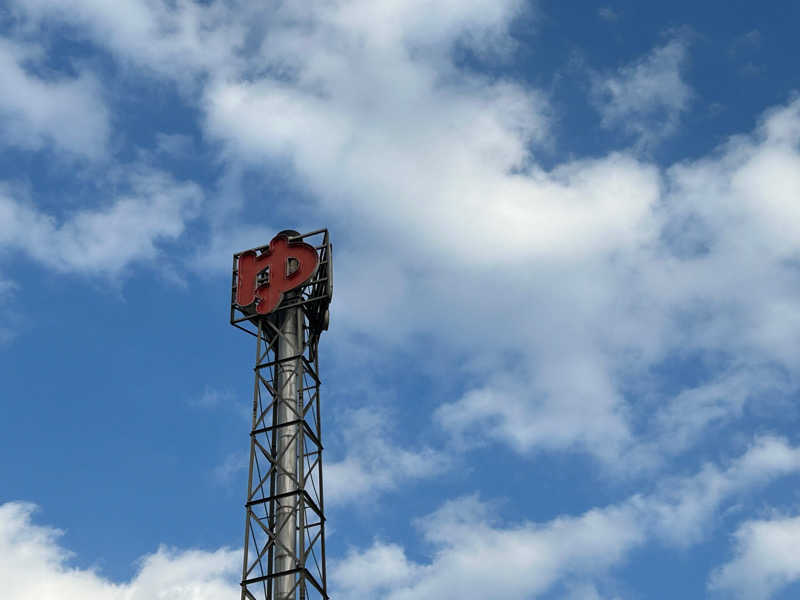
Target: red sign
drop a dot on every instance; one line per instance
(265, 278)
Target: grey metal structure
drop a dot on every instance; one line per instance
(284, 544)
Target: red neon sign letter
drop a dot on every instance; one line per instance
(264, 279)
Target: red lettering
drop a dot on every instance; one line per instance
(265, 278)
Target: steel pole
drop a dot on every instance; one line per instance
(289, 380)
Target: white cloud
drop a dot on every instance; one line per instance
(230, 468)
(766, 559)
(430, 161)
(421, 24)
(584, 591)
(557, 292)
(684, 418)
(475, 555)
(431, 164)
(569, 405)
(607, 14)
(739, 209)
(715, 281)
(372, 463)
(35, 111)
(7, 330)
(34, 565)
(186, 39)
(375, 570)
(180, 40)
(562, 270)
(645, 98)
(174, 144)
(107, 239)
(683, 509)
(212, 398)
(474, 558)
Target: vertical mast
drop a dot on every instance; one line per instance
(290, 411)
(280, 295)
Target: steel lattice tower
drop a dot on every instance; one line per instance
(280, 295)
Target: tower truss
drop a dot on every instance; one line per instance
(284, 537)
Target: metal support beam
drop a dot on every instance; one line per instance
(290, 408)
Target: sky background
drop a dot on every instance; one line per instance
(563, 355)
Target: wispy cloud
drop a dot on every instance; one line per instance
(373, 462)
(608, 14)
(431, 162)
(35, 565)
(646, 98)
(475, 555)
(107, 239)
(7, 330)
(230, 468)
(212, 398)
(475, 552)
(765, 559)
(67, 112)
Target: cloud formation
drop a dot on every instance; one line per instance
(373, 463)
(558, 294)
(765, 559)
(36, 566)
(574, 283)
(67, 112)
(105, 240)
(647, 97)
(474, 553)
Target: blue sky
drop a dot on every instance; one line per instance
(563, 358)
